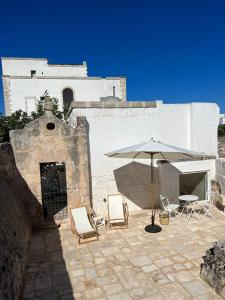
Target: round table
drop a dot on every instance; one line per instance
(188, 198)
(187, 201)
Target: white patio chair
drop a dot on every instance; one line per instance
(170, 207)
(117, 211)
(82, 224)
(207, 204)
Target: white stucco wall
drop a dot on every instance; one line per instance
(22, 67)
(114, 128)
(83, 89)
(169, 175)
(21, 91)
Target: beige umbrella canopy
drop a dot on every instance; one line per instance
(154, 150)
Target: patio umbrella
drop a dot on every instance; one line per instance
(154, 150)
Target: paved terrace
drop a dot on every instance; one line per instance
(124, 264)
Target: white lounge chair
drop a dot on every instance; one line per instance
(82, 224)
(117, 211)
(171, 208)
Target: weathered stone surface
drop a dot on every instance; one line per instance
(213, 268)
(19, 207)
(36, 144)
(95, 273)
(21, 199)
(221, 147)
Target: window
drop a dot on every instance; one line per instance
(195, 183)
(114, 91)
(67, 97)
(30, 104)
(33, 73)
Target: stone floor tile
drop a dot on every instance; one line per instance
(128, 280)
(188, 265)
(183, 276)
(159, 278)
(141, 261)
(208, 296)
(120, 296)
(43, 283)
(196, 288)
(90, 273)
(172, 291)
(137, 294)
(178, 267)
(112, 288)
(149, 268)
(94, 293)
(128, 263)
(157, 296)
(163, 262)
(105, 280)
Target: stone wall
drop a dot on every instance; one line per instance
(212, 269)
(18, 207)
(20, 193)
(37, 144)
(220, 174)
(221, 147)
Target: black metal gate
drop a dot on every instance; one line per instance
(53, 188)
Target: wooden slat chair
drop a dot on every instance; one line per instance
(83, 225)
(117, 211)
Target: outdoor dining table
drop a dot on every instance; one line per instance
(187, 200)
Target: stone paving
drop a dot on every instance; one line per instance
(125, 263)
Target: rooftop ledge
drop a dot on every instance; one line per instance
(83, 64)
(116, 104)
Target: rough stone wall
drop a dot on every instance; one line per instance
(36, 144)
(6, 92)
(17, 206)
(212, 270)
(220, 174)
(20, 193)
(221, 147)
(123, 87)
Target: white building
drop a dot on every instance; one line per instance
(115, 123)
(26, 79)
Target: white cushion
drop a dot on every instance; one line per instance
(172, 206)
(81, 220)
(115, 204)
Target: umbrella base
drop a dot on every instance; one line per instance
(153, 228)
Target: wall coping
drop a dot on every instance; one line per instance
(114, 104)
(63, 77)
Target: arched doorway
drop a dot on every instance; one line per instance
(67, 97)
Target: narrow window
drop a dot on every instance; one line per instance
(67, 97)
(114, 91)
(33, 74)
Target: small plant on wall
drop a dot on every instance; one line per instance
(40, 107)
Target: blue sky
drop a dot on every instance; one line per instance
(169, 50)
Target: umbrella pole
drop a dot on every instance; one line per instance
(152, 183)
(152, 228)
